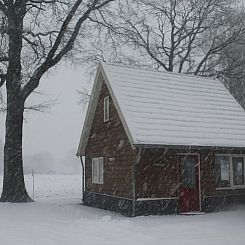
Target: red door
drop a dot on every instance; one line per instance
(189, 183)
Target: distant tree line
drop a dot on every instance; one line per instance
(45, 163)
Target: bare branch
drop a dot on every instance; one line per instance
(41, 107)
(215, 49)
(2, 79)
(183, 35)
(53, 58)
(3, 7)
(3, 58)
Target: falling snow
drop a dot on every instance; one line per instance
(57, 217)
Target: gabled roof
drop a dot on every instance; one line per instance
(163, 108)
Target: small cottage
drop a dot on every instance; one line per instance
(161, 143)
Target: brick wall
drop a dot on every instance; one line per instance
(158, 173)
(109, 140)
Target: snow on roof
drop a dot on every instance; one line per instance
(163, 108)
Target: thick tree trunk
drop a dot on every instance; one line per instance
(13, 184)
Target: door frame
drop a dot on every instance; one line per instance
(199, 173)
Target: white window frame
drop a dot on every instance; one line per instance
(107, 108)
(232, 186)
(98, 167)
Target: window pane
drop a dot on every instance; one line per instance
(188, 172)
(222, 171)
(106, 108)
(100, 171)
(97, 170)
(94, 170)
(238, 170)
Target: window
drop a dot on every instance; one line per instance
(106, 109)
(188, 173)
(238, 170)
(222, 171)
(97, 170)
(230, 171)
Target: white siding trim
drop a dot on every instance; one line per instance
(156, 199)
(108, 195)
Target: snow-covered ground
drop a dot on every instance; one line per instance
(57, 217)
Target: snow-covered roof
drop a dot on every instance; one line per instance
(163, 108)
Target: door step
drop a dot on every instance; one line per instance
(192, 213)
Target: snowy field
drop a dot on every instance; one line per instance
(58, 218)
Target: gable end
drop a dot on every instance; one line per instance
(99, 80)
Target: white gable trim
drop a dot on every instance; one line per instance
(99, 79)
(89, 115)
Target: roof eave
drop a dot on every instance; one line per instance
(189, 147)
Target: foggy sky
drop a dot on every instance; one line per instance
(58, 130)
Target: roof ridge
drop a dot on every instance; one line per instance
(154, 70)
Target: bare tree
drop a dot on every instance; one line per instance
(232, 63)
(35, 36)
(174, 35)
(231, 59)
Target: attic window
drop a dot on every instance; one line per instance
(106, 109)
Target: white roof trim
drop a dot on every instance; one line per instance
(89, 115)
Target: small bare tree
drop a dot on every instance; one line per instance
(174, 35)
(35, 35)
